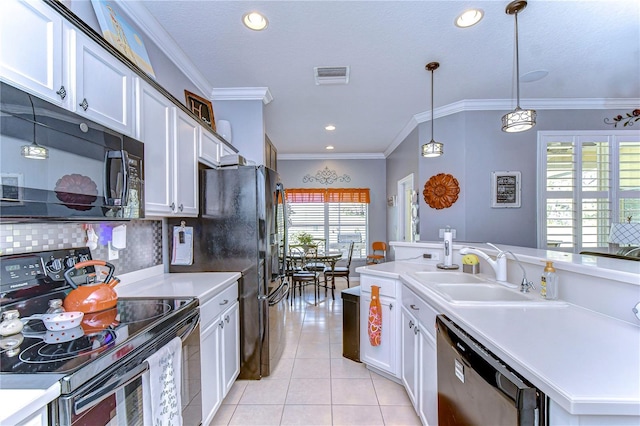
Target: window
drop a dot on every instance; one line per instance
(334, 217)
(586, 182)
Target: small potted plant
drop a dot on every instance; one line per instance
(304, 238)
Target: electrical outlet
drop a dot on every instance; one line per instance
(113, 253)
(441, 233)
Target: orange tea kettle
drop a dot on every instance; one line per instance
(91, 298)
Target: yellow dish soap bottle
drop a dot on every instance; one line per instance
(549, 282)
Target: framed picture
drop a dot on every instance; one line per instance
(201, 108)
(11, 189)
(117, 31)
(505, 189)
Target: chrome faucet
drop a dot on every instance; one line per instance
(499, 265)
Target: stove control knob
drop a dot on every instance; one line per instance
(55, 265)
(84, 257)
(70, 261)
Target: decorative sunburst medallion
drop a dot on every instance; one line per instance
(441, 191)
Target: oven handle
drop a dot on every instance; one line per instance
(94, 398)
(189, 330)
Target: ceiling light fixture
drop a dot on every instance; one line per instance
(34, 151)
(469, 18)
(433, 148)
(329, 147)
(330, 127)
(255, 21)
(519, 119)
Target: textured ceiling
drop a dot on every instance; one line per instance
(591, 49)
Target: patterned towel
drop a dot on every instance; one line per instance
(162, 404)
(375, 317)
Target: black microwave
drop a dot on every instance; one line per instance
(56, 164)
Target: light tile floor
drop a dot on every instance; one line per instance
(313, 384)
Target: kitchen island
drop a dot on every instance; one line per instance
(583, 352)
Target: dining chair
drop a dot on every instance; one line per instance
(301, 277)
(339, 272)
(379, 253)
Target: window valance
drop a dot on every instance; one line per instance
(327, 195)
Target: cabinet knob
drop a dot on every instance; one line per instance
(411, 324)
(416, 331)
(84, 104)
(224, 302)
(227, 319)
(173, 206)
(390, 306)
(221, 324)
(181, 207)
(62, 92)
(414, 307)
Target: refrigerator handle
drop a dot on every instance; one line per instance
(281, 196)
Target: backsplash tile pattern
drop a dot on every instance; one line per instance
(144, 241)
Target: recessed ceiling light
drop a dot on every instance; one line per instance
(330, 127)
(255, 21)
(329, 147)
(469, 18)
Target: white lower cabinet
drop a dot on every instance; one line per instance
(419, 367)
(386, 356)
(219, 349)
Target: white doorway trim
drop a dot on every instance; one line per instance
(405, 188)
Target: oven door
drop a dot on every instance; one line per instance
(117, 396)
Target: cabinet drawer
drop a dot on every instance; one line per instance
(424, 312)
(388, 286)
(214, 307)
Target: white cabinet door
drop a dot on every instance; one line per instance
(409, 341)
(31, 48)
(208, 149)
(155, 129)
(383, 356)
(185, 165)
(230, 363)
(103, 86)
(428, 379)
(210, 370)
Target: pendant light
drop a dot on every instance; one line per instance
(519, 119)
(34, 151)
(433, 148)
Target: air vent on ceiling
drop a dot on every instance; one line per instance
(331, 75)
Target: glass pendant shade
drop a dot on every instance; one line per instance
(34, 152)
(518, 120)
(432, 149)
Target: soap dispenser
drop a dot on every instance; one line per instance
(549, 282)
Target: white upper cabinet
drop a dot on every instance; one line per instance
(103, 86)
(209, 148)
(186, 165)
(32, 48)
(46, 56)
(170, 138)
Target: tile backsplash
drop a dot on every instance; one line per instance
(144, 240)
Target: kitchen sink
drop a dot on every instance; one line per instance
(461, 288)
(481, 293)
(448, 277)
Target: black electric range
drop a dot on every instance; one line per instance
(103, 340)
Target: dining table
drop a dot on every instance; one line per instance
(329, 258)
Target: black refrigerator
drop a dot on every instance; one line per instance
(242, 228)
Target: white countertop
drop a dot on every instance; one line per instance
(586, 362)
(203, 285)
(18, 403)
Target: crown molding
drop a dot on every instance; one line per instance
(242, 94)
(337, 156)
(165, 42)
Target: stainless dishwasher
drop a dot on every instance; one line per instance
(476, 388)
